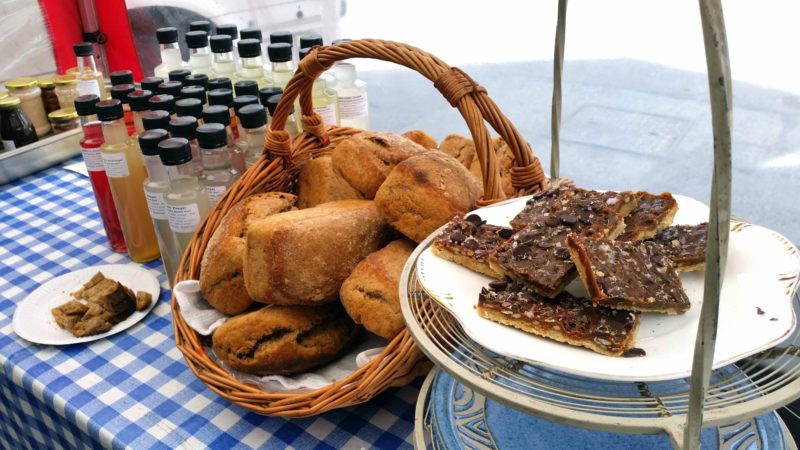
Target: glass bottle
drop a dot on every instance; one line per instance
(30, 96)
(230, 29)
(245, 87)
(90, 149)
(195, 92)
(310, 40)
(219, 83)
(163, 102)
(66, 89)
(189, 107)
(224, 97)
(155, 119)
(196, 79)
(120, 92)
(240, 102)
(16, 130)
(223, 63)
(179, 75)
(253, 119)
(200, 25)
(199, 52)
(218, 174)
(265, 93)
(291, 124)
(219, 114)
(352, 93)
(155, 188)
(170, 52)
(251, 33)
(324, 100)
(172, 88)
(280, 55)
(126, 174)
(186, 127)
(250, 64)
(139, 100)
(186, 198)
(151, 84)
(49, 98)
(90, 80)
(121, 77)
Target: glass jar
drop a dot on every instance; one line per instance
(64, 119)
(27, 90)
(49, 98)
(66, 90)
(15, 128)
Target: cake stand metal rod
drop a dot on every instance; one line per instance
(558, 65)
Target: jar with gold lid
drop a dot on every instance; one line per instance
(27, 90)
(48, 86)
(66, 90)
(64, 119)
(16, 130)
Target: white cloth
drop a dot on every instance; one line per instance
(204, 319)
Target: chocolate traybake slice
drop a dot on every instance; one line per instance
(539, 205)
(595, 213)
(685, 245)
(652, 213)
(633, 276)
(469, 242)
(565, 318)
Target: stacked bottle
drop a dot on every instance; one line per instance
(253, 119)
(220, 114)
(218, 175)
(170, 52)
(324, 100)
(199, 52)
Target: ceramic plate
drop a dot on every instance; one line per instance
(756, 312)
(34, 322)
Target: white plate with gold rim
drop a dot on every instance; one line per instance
(761, 276)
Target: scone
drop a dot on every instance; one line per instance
(365, 159)
(422, 138)
(318, 183)
(221, 278)
(284, 340)
(304, 256)
(424, 192)
(370, 294)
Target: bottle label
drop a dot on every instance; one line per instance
(156, 205)
(215, 193)
(183, 218)
(353, 107)
(93, 159)
(116, 165)
(86, 87)
(328, 113)
(8, 145)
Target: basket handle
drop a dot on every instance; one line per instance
(457, 87)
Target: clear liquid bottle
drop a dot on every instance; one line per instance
(200, 25)
(309, 40)
(155, 119)
(223, 63)
(251, 33)
(163, 102)
(230, 29)
(179, 75)
(253, 119)
(324, 100)
(151, 84)
(219, 114)
(280, 55)
(120, 92)
(186, 198)
(195, 92)
(265, 93)
(199, 52)
(224, 97)
(139, 100)
(197, 79)
(126, 173)
(352, 94)
(121, 77)
(170, 52)
(245, 87)
(90, 149)
(238, 103)
(291, 124)
(282, 37)
(90, 80)
(172, 88)
(186, 127)
(155, 188)
(218, 174)
(189, 107)
(251, 66)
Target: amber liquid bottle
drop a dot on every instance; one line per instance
(126, 175)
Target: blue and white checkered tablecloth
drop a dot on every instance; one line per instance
(133, 389)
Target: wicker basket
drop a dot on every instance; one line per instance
(401, 361)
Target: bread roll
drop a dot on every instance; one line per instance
(304, 256)
(318, 183)
(422, 138)
(221, 279)
(505, 161)
(424, 192)
(365, 159)
(284, 340)
(371, 293)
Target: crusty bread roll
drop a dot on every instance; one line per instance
(463, 149)
(365, 159)
(422, 138)
(370, 294)
(424, 192)
(221, 280)
(318, 183)
(304, 256)
(284, 340)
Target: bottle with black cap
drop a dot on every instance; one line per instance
(155, 188)
(194, 92)
(265, 93)
(89, 79)
(120, 92)
(251, 67)
(186, 198)
(126, 173)
(231, 30)
(310, 40)
(223, 63)
(238, 103)
(281, 36)
(225, 97)
(253, 120)
(90, 149)
(121, 77)
(245, 87)
(199, 52)
(291, 123)
(324, 100)
(219, 114)
(170, 52)
(172, 88)
(197, 79)
(163, 102)
(151, 84)
(155, 119)
(218, 174)
(189, 107)
(139, 100)
(251, 33)
(179, 75)
(200, 25)
(219, 83)
(186, 127)
(282, 69)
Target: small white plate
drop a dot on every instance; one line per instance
(34, 322)
(762, 273)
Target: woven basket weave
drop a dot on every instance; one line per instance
(401, 361)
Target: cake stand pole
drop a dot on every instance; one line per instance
(719, 85)
(558, 64)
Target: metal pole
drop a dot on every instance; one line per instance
(558, 65)
(719, 85)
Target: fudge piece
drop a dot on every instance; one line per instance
(633, 276)
(685, 245)
(68, 314)
(652, 213)
(539, 205)
(97, 306)
(565, 318)
(537, 256)
(469, 242)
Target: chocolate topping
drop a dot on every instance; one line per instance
(685, 245)
(650, 214)
(471, 236)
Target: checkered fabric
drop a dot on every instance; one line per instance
(133, 389)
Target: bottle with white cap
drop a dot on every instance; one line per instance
(170, 52)
(352, 93)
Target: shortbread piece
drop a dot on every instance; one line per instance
(685, 245)
(633, 276)
(565, 318)
(469, 242)
(652, 213)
